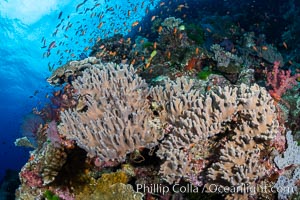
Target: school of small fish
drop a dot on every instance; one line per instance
(92, 21)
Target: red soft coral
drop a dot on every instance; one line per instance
(280, 81)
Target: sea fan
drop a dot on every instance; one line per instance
(30, 125)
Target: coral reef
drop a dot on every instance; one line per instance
(201, 102)
(205, 138)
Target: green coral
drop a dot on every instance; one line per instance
(50, 195)
(204, 74)
(147, 44)
(195, 33)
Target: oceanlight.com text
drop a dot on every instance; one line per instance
(213, 188)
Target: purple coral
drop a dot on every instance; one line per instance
(52, 134)
(31, 178)
(64, 194)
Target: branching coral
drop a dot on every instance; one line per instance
(171, 22)
(224, 58)
(291, 155)
(287, 186)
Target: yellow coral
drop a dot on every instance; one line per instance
(118, 191)
(101, 188)
(103, 184)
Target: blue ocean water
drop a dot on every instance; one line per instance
(22, 73)
(26, 30)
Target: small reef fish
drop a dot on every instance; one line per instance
(159, 29)
(79, 5)
(285, 45)
(100, 25)
(50, 68)
(208, 30)
(44, 43)
(154, 45)
(135, 23)
(82, 56)
(52, 45)
(179, 7)
(60, 14)
(55, 32)
(109, 9)
(153, 18)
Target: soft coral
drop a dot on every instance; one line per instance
(280, 81)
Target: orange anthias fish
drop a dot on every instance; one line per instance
(153, 18)
(79, 5)
(285, 45)
(159, 29)
(134, 23)
(52, 45)
(100, 25)
(265, 48)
